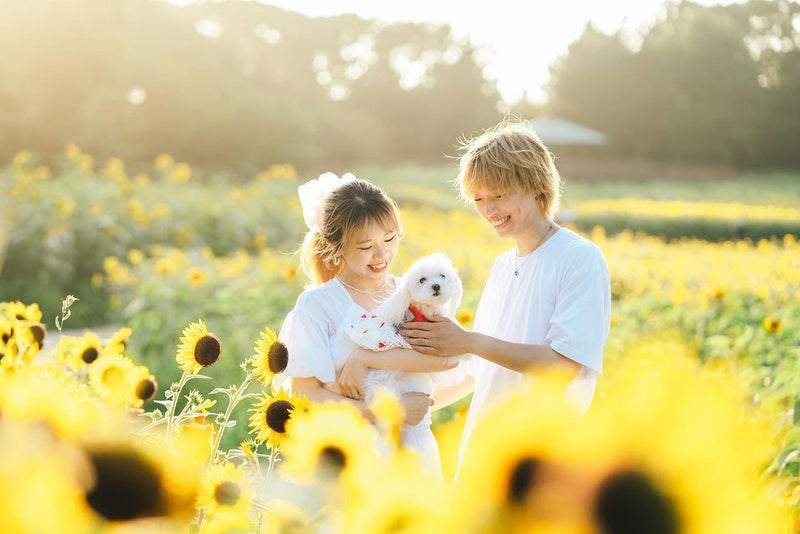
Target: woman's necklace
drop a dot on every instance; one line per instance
(364, 291)
(517, 267)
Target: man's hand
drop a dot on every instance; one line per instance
(416, 405)
(354, 372)
(440, 337)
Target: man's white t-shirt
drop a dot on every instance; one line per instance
(561, 298)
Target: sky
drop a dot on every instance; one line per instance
(521, 39)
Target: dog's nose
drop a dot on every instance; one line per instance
(436, 288)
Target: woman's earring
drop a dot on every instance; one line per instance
(336, 262)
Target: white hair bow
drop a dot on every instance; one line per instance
(313, 194)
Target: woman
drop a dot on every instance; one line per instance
(353, 238)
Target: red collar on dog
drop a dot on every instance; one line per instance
(419, 317)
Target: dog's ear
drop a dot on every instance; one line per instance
(455, 302)
(394, 308)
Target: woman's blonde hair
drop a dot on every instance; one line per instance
(510, 158)
(347, 209)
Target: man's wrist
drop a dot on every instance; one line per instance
(478, 344)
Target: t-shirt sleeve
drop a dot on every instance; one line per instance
(582, 317)
(305, 334)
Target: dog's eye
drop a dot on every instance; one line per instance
(422, 280)
(443, 276)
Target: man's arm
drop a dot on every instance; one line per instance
(445, 337)
(521, 357)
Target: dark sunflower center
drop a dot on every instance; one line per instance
(277, 414)
(90, 355)
(522, 479)
(38, 331)
(629, 503)
(126, 487)
(278, 357)
(207, 350)
(20, 317)
(398, 524)
(227, 493)
(332, 461)
(146, 389)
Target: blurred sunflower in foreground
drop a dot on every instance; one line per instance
(224, 490)
(667, 447)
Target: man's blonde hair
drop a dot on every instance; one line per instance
(510, 158)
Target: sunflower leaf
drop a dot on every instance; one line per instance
(204, 377)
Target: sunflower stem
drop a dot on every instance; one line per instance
(65, 313)
(184, 378)
(234, 400)
(273, 453)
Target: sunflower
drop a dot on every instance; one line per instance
(772, 325)
(127, 482)
(18, 311)
(86, 350)
(465, 316)
(271, 356)
(29, 339)
(332, 441)
(271, 414)
(118, 341)
(224, 490)
(519, 462)
(388, 414)
(228, 524)
(110, 378)
(42, 484)
(50, 396)
(144, 385)
(198, 348)
(689, 452)
(409, 502)
(286, 518)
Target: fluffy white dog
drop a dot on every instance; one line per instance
(430, 287)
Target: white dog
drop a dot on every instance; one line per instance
(430, 287)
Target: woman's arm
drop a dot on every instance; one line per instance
(447, 395)
(415, 404)
(315, 391)
(351, 379)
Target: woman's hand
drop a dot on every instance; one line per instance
(416, 405)
(354, 372)
(440, 337)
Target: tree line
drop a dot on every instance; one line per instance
(717, 84)
(240, 85)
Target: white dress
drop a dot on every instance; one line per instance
(561, 298)
(315, 334)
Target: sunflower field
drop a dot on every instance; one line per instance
(171, 422)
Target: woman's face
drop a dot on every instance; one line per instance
(370, 253)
